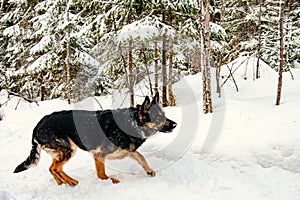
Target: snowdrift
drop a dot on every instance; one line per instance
(254, 154)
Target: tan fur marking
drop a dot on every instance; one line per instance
(57, 164)
(53, 153)
(96, 151)
(73, 147)
(167, 123)
(59, 175)
(153, 125)
(100, 168)
(140, 116)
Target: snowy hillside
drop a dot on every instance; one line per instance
(247, 149)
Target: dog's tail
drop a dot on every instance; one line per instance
(32, 160)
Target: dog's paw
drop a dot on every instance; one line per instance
(114, 181)
(151, 173)
(72, 182)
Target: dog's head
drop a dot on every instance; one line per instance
(152, 117)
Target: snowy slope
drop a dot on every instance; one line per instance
(255, 154)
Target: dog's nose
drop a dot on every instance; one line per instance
(174, 125)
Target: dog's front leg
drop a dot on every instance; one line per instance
(100, 168)
(142, 161)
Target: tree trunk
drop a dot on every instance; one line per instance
(195, 65)
(205, 58)
(259, 41)
(219, 54)
(68, 73)
(170, 89)
(130, 74)
(223, 10)
(130, 67)
(218, 72)
(289, 28)
(164, 65)
(281, 59)
(204, 94)
(1, 7)
(147, 70)
(156, 58)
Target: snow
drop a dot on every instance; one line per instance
(247, 149)
(42, 62)
(11, 31)
(86, 59)
(145, 29)
(217, 29)
(41, 45)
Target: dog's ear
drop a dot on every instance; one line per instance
(155, 99)
(146, 104)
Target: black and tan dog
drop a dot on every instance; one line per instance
(108, 134)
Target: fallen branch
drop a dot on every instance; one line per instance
(291, 74)
(232, 72)
(98, 103)
(25, 98)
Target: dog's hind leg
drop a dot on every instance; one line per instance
(100, 167)
(142, 161)
(60, 156)
(59, 175)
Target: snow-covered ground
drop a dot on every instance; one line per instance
(247, 149)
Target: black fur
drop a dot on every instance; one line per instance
(32, 159)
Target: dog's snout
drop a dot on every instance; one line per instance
(168, 126)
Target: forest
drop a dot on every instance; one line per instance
(74, 49)
(227, 73)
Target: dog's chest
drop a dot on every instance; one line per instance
(120, 153)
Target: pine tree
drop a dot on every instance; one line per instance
(49, 45)
(292, 33)
(240, 22)
(270, 32)
(15, 38)
(37, 41)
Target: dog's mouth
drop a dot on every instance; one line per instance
(165, 130)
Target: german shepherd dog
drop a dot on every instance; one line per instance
(108, 134)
